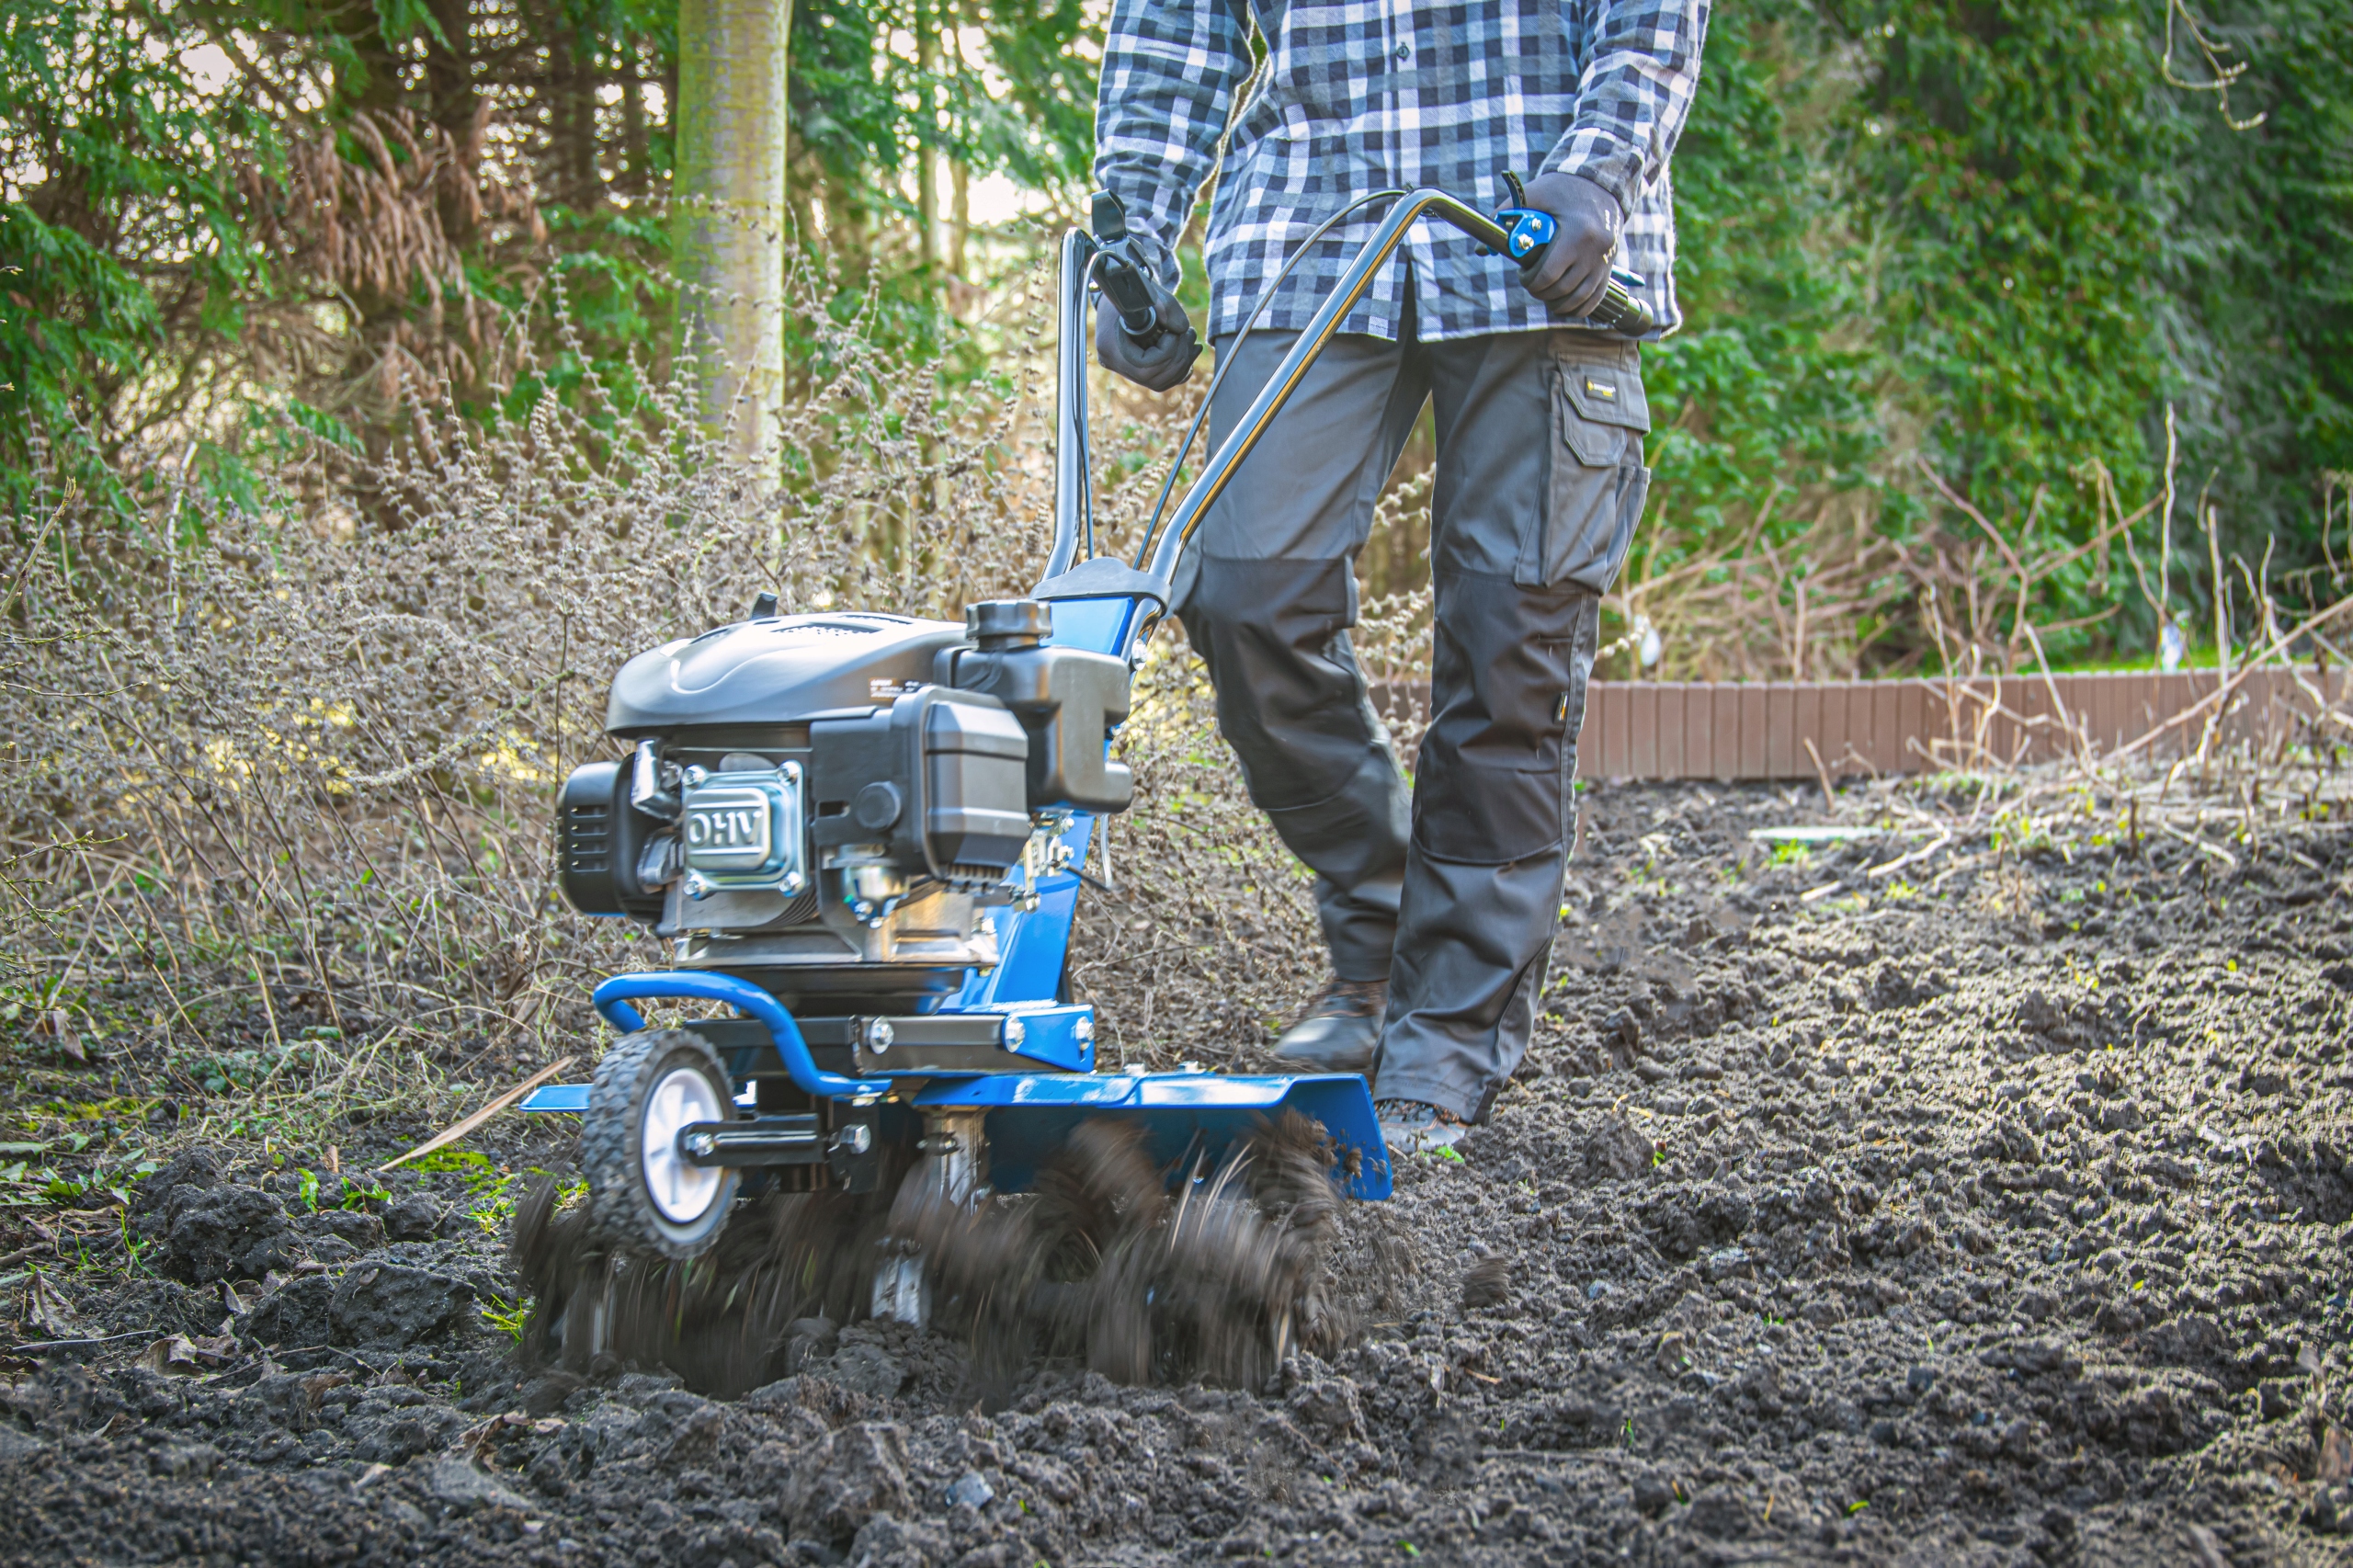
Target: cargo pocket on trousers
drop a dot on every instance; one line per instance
(1598, 484)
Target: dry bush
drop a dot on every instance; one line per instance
(1841, 598)
(374, 233)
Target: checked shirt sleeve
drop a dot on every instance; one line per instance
(1634, 96)
(1170, 70)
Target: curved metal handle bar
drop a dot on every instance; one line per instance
(1170, 547)
(1070, 478)
(613, 999)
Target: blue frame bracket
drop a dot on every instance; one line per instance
(614, 997)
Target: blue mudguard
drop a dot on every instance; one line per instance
(1185, 1116)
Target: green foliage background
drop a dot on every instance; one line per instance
(1996, 238)
(1989, 237)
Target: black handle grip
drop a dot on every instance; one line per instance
(1135, 294)
(1621, 311)
(1618, 311)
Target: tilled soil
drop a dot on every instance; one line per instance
(1989, 1209)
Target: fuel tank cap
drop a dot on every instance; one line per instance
(1001, 624)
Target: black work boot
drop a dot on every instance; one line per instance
(1338, 1031)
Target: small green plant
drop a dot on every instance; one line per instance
(508, 1317)
(2016, 831)
(22, 1187)
(135, 1246)
(1450, 1154)
(468, 1160)
(489, 1201)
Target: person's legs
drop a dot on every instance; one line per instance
(1539, 483)
(1266, 594)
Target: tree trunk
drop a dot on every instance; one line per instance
(959, 178)
(960, 220)
(633, 177)
(728, 235)
(927, 165)
(572, 117)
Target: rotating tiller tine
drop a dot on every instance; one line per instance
(949, 1176)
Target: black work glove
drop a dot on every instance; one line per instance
(1165, 364)
(1574, 272)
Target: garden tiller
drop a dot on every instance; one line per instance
(862, 835)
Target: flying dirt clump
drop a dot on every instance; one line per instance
(723, 1321)
(1102, 1265)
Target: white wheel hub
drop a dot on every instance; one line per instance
(683, 1192)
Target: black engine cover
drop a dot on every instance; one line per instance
(756, 675)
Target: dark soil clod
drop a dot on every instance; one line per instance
(1487, 1282)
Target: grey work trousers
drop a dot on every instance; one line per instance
(1454, 896)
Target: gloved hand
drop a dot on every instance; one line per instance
(1575, 269)
(1165, 364)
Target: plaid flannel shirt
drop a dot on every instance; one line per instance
(1361, 96)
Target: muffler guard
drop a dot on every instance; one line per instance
(1186, 1117)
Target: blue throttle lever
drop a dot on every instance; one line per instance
(1529, 229)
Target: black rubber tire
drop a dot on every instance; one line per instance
(621, 1209)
